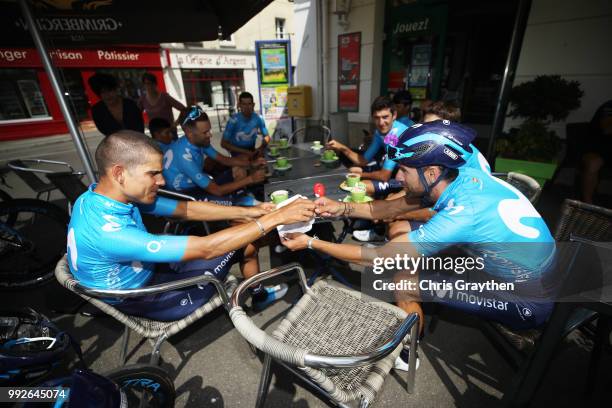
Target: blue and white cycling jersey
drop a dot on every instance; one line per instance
(163, 146)
(109, 247)
(184, 165)
(485, 213)
(405, 120)
(378, 143)
(476, 161)
(242, 132)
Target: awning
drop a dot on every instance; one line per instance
(100, 22)
(97, 22)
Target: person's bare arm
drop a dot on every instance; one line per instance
(238, 161)
(229, 239)
(205, 211)
(232, 148)
(374, 210)
(220, 190)
(354, 157)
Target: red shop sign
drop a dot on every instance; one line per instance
(90, 57)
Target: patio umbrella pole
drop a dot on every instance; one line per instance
(49, 69)
(520, 23)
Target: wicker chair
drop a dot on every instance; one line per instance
(339, 341)
(523, 183)
(154, 330)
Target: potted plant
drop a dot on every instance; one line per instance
(533, 148)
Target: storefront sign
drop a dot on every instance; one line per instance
(94, 57)
(184, 60)
(349, 66)
(411, 27)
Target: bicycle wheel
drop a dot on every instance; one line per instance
(32, 240)
(145, 381)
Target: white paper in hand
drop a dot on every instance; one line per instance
(295, 227)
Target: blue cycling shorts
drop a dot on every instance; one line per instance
(176, 304)
(512, 309)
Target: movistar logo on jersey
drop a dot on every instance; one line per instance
(187, 156)
(111, 223)
(452, 208)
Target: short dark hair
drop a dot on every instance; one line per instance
(194, 114)
(127, 148)
(403, 97)
(445, 110)
(147, 76)
(158, 124)
(100, 82)
(245, 95)
(382, 102)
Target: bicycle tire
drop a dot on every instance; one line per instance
(42, 228)
(136, 379)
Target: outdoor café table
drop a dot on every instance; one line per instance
(300, 179)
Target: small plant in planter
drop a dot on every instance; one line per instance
(532, 148)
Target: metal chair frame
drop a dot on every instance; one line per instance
(287, 357)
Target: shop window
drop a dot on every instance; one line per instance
(212, 87)
(74, 88)
(130, 81)
(20, 95)
(280, 28)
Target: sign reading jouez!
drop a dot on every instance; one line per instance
(411, 27)
(213, 61)
(26, 57)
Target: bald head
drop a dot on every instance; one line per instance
(125, 148)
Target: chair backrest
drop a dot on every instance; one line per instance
(31, 179)
(584, 220)
(523, 183)
(69, 184)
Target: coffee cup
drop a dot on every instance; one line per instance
(273, 149)
(316, 144)
(352, 179)
(358, 193)
(329, 155)
(282, 162)
(279, 196)
(283, 142)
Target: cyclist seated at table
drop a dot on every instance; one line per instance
(188, 157)
(374, 158)
(403, 106)
(463, 137)
(161, 132)
(240, 133)
(484, 216)
(110, 248)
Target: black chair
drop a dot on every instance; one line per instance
(531, 351)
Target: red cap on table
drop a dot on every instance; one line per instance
(319, 190)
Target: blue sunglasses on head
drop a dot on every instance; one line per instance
(194, 113)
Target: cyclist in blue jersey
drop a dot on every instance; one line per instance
(403, 105)
(188, 157)
(482, 215)
(161, 132)
(110, 248)
(384, 115)
(241, 131)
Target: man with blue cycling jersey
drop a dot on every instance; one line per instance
(188, 157)
(476, 212)
(384, 115)
(110, 248)
(403, 106)
(241, 131)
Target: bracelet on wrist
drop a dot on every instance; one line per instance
(310, 241)
(261, 227)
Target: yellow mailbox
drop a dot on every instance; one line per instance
(299, 101)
